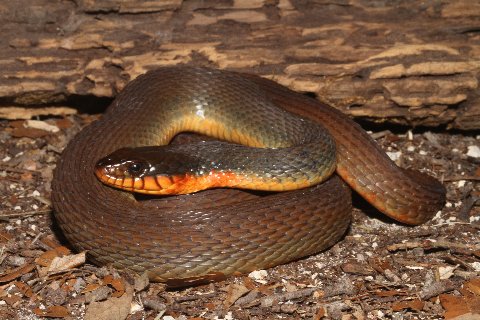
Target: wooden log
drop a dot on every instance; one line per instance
(410, 62)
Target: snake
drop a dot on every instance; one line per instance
(314, 154)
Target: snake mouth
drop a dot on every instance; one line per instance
(119, 176)
(109, 176)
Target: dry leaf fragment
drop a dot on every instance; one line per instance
(65, 263)
(462, 307)
(90, 287)
(12, 299)
(115, 283)
(24, 288)
(52, 312)
(111, 309)
(473, 286)
(379, 265)
(154, 302)
(357, 268)
(4, 236)
(234, 292)
(99, 294)
(454, 306)
(28, 133)
(20, 271)
(27, 176)
(52, 243)
(321, 312)
(64, 123)
(46, 258)
(141, 282)
(390, 293)
(415, 304)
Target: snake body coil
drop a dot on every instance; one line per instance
(212, 234)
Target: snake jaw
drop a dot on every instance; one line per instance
(122, 174)
(116, 175)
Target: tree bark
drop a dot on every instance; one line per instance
(406, 62)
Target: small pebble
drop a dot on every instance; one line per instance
(16, 261)
(446, 272)
(476, 266)
(394, 155)
(473, 151)
(410, 135)
(135, 307)
(258, 275)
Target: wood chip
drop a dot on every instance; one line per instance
(14, 113)
(52, 312)
(24, 288)
(457, 306)
(29, 133)
(473, 286)
(436, 288)
(42, 125)
(390, 293)
(357, 268)
(415, 304)
(46, 258)
(20, 271)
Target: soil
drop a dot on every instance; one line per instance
(379, 270)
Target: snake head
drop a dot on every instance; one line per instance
(120, 169)
(160, 170)
(164, 170)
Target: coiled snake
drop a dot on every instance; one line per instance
(215, 233)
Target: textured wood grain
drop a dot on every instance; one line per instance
(407, 62)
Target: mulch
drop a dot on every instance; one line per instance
(380, 269)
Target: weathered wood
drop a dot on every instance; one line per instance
(406, 62)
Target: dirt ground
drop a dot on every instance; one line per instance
(379, 270)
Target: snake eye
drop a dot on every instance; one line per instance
(136, 168)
